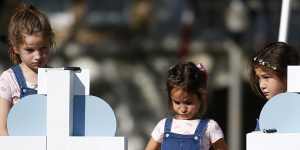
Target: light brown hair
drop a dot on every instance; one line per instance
(27, 20)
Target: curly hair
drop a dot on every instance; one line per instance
(190, 78)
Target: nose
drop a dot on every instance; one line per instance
(37, 55)
(262, 85)
(183, 109)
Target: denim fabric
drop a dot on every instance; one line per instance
(173, 141)
(22, 82)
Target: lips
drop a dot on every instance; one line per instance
(36, 64)
(266, 93)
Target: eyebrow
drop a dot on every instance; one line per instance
(185, 99)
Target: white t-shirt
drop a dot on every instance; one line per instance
(213, 131)
(9, 87)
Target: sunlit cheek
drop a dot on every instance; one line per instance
(45, 56)
(177, 106)
(195, 107)
(174, 106)
(191, 108)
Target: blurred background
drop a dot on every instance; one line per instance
(128, 45)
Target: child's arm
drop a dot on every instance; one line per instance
(220, 145)
(4, 109)
(152, 145)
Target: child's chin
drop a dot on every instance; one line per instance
(180, 117)
(268, 97)
(34, 68)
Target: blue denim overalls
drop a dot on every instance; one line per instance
(173, 141)
(24, 90)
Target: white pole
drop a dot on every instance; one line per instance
(235, 113)
(284, 20)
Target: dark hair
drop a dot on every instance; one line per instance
(190, 78)
(274, 57)
(27, 20)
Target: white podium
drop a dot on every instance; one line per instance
(272, 141)
(72, 119)
(282, 114)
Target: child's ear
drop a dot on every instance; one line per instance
(15, 50)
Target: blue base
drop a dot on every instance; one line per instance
(92, 116)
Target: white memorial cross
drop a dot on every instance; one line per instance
(61, 86)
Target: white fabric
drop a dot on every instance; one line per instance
(9, 88)
(187, 127)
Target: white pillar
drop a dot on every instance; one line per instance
(234, 108)
(284, 21)
(59, 110)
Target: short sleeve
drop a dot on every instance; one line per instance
(158, 131)
(9, 88)
(214, 131)
(5, 90)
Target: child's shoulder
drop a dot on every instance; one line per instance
(8, 73)
(211, 121)
(162, 121)
(8, 85)
(7, 77)
(213, 126)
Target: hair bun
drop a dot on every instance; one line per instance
(202, 69)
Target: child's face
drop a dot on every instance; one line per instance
(270, 84)
(185, 105)
(34, 51)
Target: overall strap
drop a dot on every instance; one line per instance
(168, 125)
(19, 76)
(201, 127)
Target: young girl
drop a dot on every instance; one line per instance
(268, 75)
(187, 92)
(30, 37)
